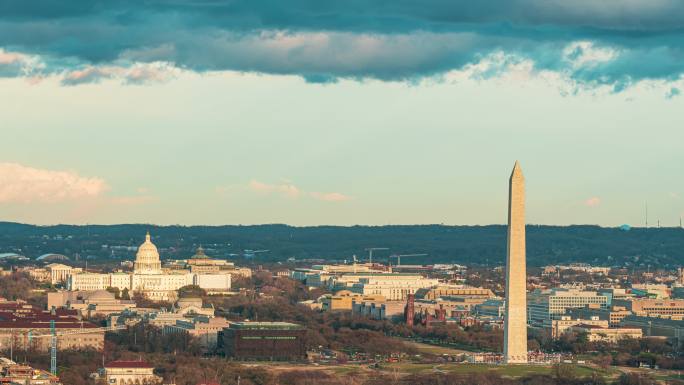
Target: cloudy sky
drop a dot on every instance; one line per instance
(340, 112)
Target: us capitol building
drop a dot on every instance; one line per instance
(154, 282)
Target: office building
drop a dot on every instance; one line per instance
(545, 305)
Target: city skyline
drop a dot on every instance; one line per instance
(241, 113)
(226, 192)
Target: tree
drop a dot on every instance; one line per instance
(191, 291)
(563, 373)
(635, 379)
(603, 361)
(115, 291)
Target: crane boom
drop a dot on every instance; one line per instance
(370, 252)
(398, 257)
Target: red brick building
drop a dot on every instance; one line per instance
(24, 326)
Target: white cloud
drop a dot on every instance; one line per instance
(289, 190)
(140, 73)
(587, 54)
(286, 189)
(592, 202)
(23, 184)
(132, 200)
(330, 197)
(11, 57)
(19, 64)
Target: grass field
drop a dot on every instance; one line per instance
(433, 349)
(505, 370)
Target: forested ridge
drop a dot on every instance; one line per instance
(661, 247)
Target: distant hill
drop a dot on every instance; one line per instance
(662, 247)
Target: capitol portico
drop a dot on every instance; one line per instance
(149, 279)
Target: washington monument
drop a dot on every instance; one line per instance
(515, 323)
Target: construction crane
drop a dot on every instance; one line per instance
(398, 257)
(53, 339)
(53, 348)
(370, 252)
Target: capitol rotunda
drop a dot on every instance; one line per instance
(147, 258)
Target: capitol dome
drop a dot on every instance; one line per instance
(147, 258)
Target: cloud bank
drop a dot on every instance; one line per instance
(22, 184)
(291, 191)
(593, 202)
(592, 43)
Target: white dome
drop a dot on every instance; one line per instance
(147, 252)
(147, 257)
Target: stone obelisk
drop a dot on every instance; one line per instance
(515, 323)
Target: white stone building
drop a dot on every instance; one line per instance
(130, 373)
(149, 278)
(392, 286)
(60, 273)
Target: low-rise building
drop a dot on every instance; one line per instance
(492, 308)
(585, 268)
(544, 305)
(263, 341)
(192, 306)
(201, 264)
(59, 273)
(377, 307)
(653, 307)
(658, 291)
(613, 315)
(392, 286)
(464, 291)
(13, 373)
(18, 321)
(37, 274)
(657, 327)
(343, 300)
(610, 335)
(678, 292)
(615, 293)
(202, 329)
(89, 303)
(130, 373)
(332, 276)
(564, 324)
(185, 309)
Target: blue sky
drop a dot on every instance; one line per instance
(336, 112)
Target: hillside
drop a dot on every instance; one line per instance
(460, 244)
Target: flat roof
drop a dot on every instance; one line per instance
(128, 364)
(265, 326)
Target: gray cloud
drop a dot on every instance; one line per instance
(323, 41)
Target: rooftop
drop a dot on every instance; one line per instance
(128, 364)
(265, 326)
